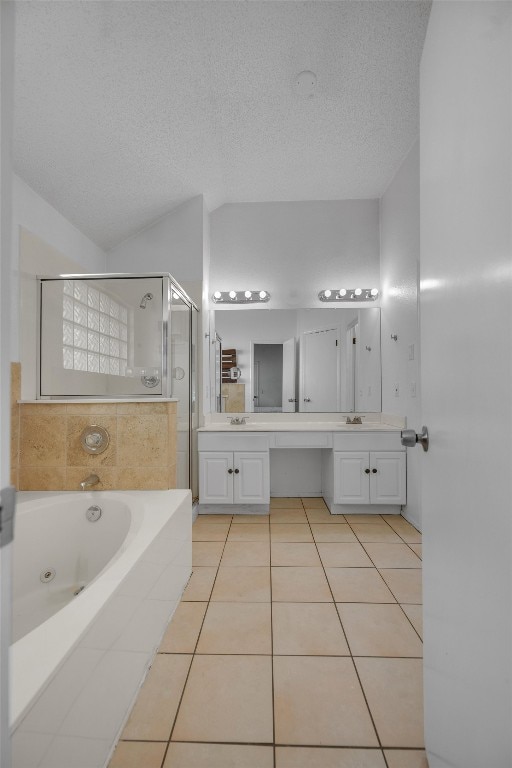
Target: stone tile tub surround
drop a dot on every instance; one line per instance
(46, 453)
(74, 677)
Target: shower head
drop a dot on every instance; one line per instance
(147, 297)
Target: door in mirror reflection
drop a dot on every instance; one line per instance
(273, 377)
(320, 365)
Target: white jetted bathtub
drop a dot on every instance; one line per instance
(96, 578)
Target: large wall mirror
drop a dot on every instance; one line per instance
(307, 360)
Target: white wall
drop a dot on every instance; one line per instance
(172, 244)
(466, 340)
(293, 250)
(399, 270)
(177, 243)
(64, 248)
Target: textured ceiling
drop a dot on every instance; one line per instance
(123, 109)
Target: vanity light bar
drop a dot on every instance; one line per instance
(349, 294)
(240, 297)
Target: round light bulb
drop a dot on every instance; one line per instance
(248, 294)
(374, 292)
(358, 291)
(327, 294)
(263, 294)
(232, 294)
(217, 295)
(343, 292)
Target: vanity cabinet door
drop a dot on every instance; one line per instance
(351, 484)
(387, 477)
(252, 481)
(215, 477)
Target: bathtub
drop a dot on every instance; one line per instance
(91, 600)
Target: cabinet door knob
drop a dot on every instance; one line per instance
(367, 471)
(237, 471)
(374, 471)
(230, 471)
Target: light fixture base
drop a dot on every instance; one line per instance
(240, 297)
(336, 295)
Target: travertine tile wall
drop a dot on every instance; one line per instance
(47, 455)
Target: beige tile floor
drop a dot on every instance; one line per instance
(297, 645)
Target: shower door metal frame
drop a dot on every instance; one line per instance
(168, 281)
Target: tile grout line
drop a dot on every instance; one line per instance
(272, 642)
(381, 576)
(350, 650)
(195, 649)
(272, 655)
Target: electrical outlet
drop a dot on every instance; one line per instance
(396, 390)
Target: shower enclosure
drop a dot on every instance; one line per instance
(121, 336)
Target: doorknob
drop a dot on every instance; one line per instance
(307, 399)
(237, 471)
(409, 438)
(230, 471)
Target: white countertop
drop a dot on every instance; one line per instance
(300, 426)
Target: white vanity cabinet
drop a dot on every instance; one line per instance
(366, 468)
(362, 471)
(369, 477)
(234, 477)
(233, 469)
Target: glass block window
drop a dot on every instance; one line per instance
(94, 330)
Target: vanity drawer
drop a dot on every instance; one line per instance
(367, 441)
(302, 440)
(227, 441)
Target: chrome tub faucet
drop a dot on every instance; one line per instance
(89, 481)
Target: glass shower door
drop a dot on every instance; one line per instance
(181, 330)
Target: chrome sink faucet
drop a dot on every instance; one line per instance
(89, 481)
(236, 421)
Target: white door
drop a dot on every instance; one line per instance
(387, 477)
(252, 478)
(351, 472)
(466, 378)
(289, 374)
(319, 371)
(216, 477)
